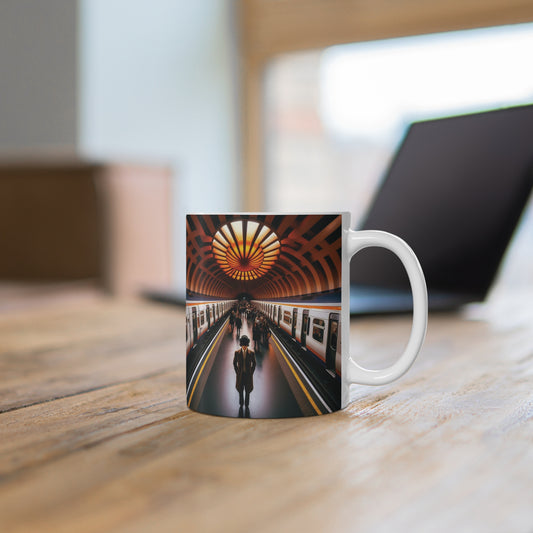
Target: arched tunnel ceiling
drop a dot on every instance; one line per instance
(265, 256)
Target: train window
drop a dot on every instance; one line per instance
(202, 318)
(287, 318)
(318, 329)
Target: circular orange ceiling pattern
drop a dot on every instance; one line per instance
(245, 250)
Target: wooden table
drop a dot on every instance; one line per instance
(95, 434)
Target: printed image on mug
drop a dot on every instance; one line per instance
(263, 314)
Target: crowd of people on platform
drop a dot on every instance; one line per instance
(255, 319)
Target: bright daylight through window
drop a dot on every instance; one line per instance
(334, 117)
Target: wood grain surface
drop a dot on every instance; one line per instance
(95, 434)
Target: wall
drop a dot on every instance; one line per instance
(159, 82)
(38, 76)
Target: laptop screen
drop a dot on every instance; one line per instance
(454, 192)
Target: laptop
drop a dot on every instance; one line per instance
(454, 191)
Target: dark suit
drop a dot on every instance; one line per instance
(244, 366)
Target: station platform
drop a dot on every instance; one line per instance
(281, 388)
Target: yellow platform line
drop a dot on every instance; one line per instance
(203, 365)
(306, 392)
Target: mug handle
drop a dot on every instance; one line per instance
(357, 240)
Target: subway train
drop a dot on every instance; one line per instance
(199, 316)
(315, 326)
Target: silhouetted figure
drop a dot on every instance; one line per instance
(238, 325)
(244, 364)
(265, 333)
(256, 334)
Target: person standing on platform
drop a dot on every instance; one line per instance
(232, 321)
(238, 325)
(265, 332)
(256, 333)
(244, 364)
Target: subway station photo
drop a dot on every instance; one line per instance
(263, 314)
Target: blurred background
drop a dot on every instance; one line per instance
(119, 117)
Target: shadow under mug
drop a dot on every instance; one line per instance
(267, 313)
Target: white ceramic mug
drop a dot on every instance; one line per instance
(267, 314)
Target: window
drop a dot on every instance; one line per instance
(287, 317)
(318, 330)
(270, 29)
(334, 117)
(202, 318)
